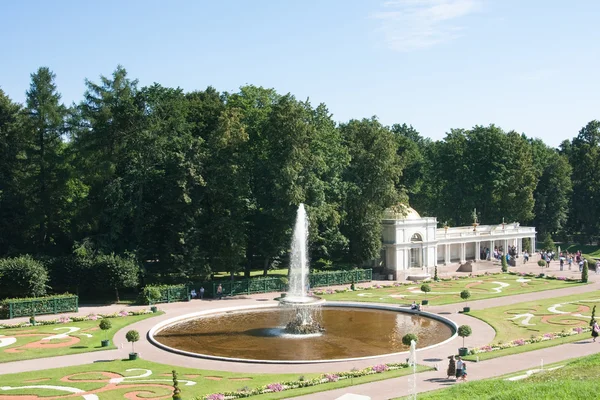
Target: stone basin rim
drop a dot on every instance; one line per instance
(168, 322)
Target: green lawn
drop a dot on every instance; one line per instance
(586, 249)
(87, 337)
(577, 379)
(157, 380)
(447, 292)
(538, 317)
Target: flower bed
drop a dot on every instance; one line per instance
(524, 342)
(64, 319)
(324, 378)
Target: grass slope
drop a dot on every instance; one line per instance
(575, 380)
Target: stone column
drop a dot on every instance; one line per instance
(533, 245)
(447, 253)
(477, 251)
(463, 253)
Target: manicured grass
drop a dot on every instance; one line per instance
(586, 249)
(576, 313)
(528, 347)
(577, 379)
(448, 292)
(29, 342)
(93, 378)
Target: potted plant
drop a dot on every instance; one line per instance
(153, 295)
(465, 294)
(105, 325)
(406, 339)
(464, 331)
(425, 288)
(132, 336)
(32, 320)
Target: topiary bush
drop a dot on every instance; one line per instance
(132, 336)
(105, 325)
(22, 276)
(584, 272)
(406, 339)
(464, 331)
(542, 263)
(425, 288)
(504, 263)
(465, 295)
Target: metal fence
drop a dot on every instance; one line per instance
(279, 284)
(39, 306)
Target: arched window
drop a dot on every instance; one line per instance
(416, 238)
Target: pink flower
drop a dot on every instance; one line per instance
(331, 377)
(215, 396)
(380, 368)
(275, 387)
(519, 342)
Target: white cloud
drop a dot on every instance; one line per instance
(415, 24)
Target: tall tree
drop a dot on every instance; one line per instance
(584, 157)
(13, 214)
(370, 181)
(45, 126)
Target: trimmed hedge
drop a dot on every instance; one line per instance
(28, 307)
(155, 294)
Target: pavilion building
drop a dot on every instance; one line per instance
(413, 245)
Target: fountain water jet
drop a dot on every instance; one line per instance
(305, 309)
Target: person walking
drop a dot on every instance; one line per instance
(201, 292)
(451, 367)
(459, 366)
(219, 291)
(464, 371)
(595, 330)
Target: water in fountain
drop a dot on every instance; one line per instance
(305, 308)
(299, 258)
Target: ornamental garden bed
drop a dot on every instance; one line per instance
(537, 324)
(128, 378)
(62, 336)
(447, 291)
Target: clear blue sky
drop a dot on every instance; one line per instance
(531, 66)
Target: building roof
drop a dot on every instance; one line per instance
(401, 212)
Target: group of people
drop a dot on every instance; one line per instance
(569, 259)
(200, 293)
(457, 368)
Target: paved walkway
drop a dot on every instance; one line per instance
(376, 390)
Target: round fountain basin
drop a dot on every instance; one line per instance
(301, 300)
(256, 334)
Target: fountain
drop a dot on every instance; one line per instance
(304, 309)
(264, 333)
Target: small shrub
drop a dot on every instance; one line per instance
(542, 263)
(425, 288)
(584, 273)
(464, 331)
(465, 295)
(132, 336)
(406, 339)
(504, 263)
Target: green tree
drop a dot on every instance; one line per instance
(14, 215)
(48, 173)
(22, 276)
(370, 180)
(117, 272)
(584, 157)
